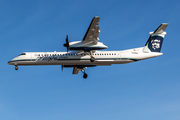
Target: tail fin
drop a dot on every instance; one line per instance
(155, 40)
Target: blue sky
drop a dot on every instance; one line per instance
(147, 89)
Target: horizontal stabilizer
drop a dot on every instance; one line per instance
(161, 28)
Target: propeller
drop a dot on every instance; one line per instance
(62, 66)
(67, 43)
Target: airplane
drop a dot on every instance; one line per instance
(86, 53)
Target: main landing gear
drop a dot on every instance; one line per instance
(77, 69)
(92, 59)
(16, 67)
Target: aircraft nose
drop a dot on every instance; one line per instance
(10, 62)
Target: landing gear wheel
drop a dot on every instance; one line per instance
(16, 67)
(85, 76)
(92, 59)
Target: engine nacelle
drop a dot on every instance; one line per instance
(79, 45)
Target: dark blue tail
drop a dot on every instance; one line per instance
(155, 40)
(155, 43)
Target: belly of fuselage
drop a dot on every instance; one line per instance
(73, 62)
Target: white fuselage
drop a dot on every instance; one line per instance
(82, 58)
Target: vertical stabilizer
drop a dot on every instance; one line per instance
(155, 40)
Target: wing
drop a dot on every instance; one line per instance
(92, 34)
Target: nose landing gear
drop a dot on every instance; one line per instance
(16, 67)
(85, 75)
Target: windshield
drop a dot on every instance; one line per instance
(22, 54)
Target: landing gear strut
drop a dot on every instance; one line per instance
(16, 67)
(92, 58)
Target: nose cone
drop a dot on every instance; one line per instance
(10, 62)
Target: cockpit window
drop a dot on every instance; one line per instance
(22, 54)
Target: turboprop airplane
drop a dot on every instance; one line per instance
(85, 53)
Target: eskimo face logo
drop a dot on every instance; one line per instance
(155, 44)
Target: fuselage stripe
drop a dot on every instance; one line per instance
(28, 60)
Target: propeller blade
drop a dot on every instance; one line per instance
(62, 66)
(67, 42)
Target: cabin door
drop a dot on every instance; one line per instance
(118, 55)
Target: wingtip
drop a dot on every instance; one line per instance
(165, 23)
(97, 17)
